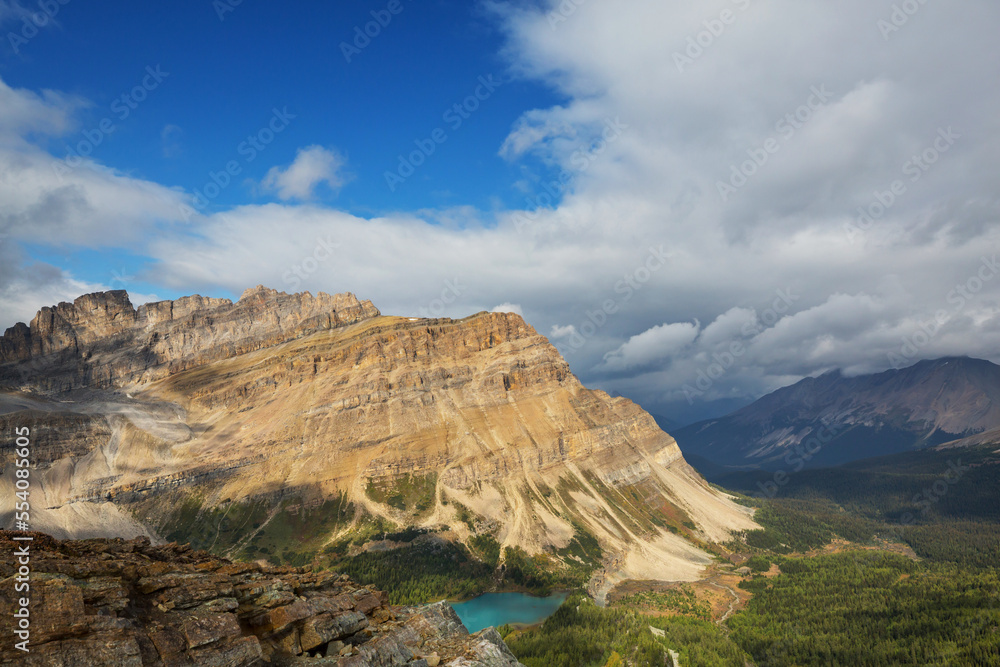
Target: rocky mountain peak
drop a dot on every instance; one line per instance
(931, 402)
(155, 418)
(101, 339)
(88, 318)
(258, 291)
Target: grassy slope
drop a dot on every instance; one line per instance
(334, 534)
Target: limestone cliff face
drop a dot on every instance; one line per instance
(101, 341)
(313, 398)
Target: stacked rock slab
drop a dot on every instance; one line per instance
(118, 602)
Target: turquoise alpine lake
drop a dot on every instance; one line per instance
(499, 608)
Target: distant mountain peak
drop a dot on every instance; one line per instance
(932, 401)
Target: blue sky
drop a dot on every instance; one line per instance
(224, 68)
(228, 67)
(697, 202)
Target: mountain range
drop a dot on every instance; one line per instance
(832, 419)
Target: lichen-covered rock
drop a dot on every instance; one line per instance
(118, 602)
(487, 650)
(325, 627)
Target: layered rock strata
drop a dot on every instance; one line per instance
(128, 603)
(101, 341)
(298, 399)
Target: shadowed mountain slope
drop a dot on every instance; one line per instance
(831, 419)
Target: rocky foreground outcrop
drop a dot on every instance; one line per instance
(124, 603)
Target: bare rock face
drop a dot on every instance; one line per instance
(118, 602)
(16, 343)
(299, 399)
(101, 341)
(77, 325)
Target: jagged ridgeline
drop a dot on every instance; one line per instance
(300, 428)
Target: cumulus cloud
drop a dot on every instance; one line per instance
(62, 202)
(508, 308)
(660, 342)
(26, 112)
(805, 110)
(312, 166)
(841, 129)
(26, 285)
(558, 332)
(69, 200)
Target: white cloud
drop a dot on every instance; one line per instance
(53, 202)
(312, 166)
(26, 112)
(508, 308)
(25, 286)
(70, 200)
(576, 270)
(660, 342)
(558, 331)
